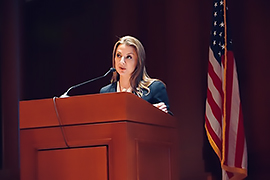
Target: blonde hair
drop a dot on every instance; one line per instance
(139, 79)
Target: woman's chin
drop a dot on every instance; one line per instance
(124, 74)
(121, 72)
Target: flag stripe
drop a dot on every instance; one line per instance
(213, 124)
(215, 139)
(240, 142)
(214, 107)
(214, 69)
(235, 113)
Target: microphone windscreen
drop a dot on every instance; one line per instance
(113, 69)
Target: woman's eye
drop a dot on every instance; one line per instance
(129, 57)
(118, 55)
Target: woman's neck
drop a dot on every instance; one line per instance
(124, 83)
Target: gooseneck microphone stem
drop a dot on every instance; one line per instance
(91, 80)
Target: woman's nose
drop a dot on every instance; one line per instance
(122, 61)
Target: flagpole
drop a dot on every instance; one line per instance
(224, 82)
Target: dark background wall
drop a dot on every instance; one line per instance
(49, 45)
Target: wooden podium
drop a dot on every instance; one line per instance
(115, 136)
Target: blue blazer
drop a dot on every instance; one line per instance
(158, 93)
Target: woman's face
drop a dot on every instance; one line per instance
(125, 60)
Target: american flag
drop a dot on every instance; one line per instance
(223, 116)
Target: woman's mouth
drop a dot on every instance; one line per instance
(122, 68)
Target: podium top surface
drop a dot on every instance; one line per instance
(89, 109)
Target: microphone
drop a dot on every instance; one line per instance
(91, 80)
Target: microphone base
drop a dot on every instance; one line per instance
(64, 96)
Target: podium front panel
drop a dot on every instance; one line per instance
(70, 164)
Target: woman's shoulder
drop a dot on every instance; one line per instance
(108, 88)
(156, 83)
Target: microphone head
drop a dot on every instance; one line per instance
(112, 69)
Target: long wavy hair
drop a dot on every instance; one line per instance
(139, 79)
